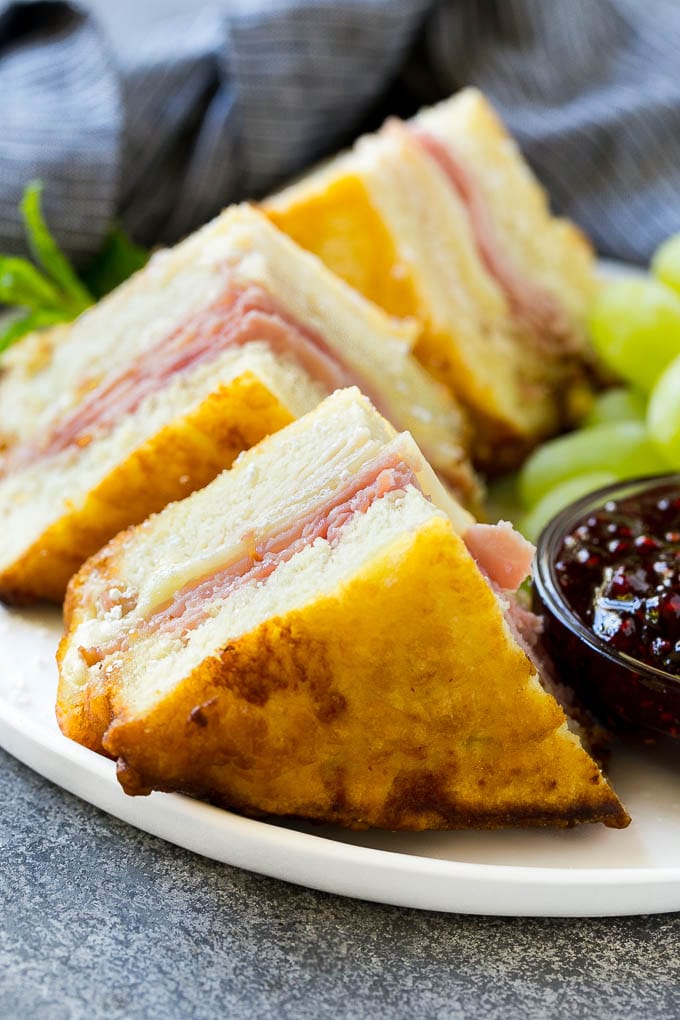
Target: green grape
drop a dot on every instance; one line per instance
(663, 418)
(562, 495)
(621, 448)
(619, 404)
(635, 328)
(666, 262)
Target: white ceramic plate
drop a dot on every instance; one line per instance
(583, 872)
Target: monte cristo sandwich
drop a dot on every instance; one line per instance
(441, 219)
(324, 632)
(150, 394)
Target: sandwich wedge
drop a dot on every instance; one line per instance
(146, 397)
(310, 635)
(441, 219)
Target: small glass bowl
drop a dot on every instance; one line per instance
(624, 693)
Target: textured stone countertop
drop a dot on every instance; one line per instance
(100, 920)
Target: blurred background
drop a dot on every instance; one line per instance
(157, 113)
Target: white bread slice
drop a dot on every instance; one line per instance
(58, 508)
(368, 679)
(387, 218)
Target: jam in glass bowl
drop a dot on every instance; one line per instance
(607, 584)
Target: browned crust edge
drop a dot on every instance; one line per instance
(182, 457)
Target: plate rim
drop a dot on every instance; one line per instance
(567, 891)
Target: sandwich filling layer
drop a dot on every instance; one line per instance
(197, 600)
(501, 554)
(189, 606)
(534, 306)
(240, 315)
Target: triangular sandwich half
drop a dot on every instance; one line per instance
(147, 396)
(309, 635)
(440, 218)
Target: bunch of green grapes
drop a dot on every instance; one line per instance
(633, 429)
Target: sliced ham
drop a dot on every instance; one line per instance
(190, 605)
(530, 303)
(240, 315)
(492, 547)
(501, 553)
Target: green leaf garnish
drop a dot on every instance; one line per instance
(54, 293)
(22, 284)
(46, 251)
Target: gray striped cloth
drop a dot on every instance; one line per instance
(160, 112)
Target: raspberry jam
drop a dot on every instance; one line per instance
(619, 570)
(607, 583)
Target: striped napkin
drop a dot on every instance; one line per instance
(159, 113)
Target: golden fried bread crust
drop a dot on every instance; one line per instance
(339, 223)
(183, 456)
(399, 701)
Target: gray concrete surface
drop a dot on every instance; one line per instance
(98, 920)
